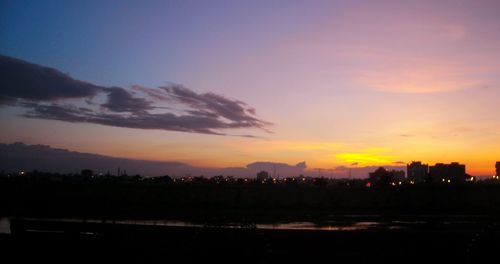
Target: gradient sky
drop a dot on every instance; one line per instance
(343, 82)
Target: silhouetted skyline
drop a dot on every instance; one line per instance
(254, 131)
(223, 84)
(21, 157)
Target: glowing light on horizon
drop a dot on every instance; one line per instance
(372, 156)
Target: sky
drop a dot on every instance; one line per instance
(228, 83)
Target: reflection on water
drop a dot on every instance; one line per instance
(315, 226)
(327, 226)
(4, 225)
(343, 223)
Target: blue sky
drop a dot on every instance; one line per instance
(327, 74)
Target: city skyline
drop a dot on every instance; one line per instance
(21, 158)
(334, 83)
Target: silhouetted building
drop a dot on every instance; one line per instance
(381, 176)
(87, 173)
(417, 172)
(398, 175)
(498, 168)
(453, 172)
(263, 176)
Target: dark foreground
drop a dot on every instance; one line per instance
(35, 241)
(435, 234)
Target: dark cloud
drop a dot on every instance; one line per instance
(120, 100)
(18, 156)
(281, 169)
(399, 162)
(340, 168)
(23, 80)
(158, 94)
(66, 113)
(233, 110)
(248, 136)
(6, 100)
(141, 120)
(42, 91)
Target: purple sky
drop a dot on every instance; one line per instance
(329, 82)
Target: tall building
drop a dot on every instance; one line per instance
(498, 168)
(381, 176)
(417, 172)
(453, 172)
(398, 175)
(263, 176)
(87, 173)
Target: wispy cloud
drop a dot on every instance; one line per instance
(414, 75)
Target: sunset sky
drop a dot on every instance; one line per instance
(332, 83)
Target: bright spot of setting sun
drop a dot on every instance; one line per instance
(367, 156)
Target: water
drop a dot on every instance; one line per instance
(4, 225)
(339, 223)
(332, 226)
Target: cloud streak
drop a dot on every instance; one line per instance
(43, 92)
